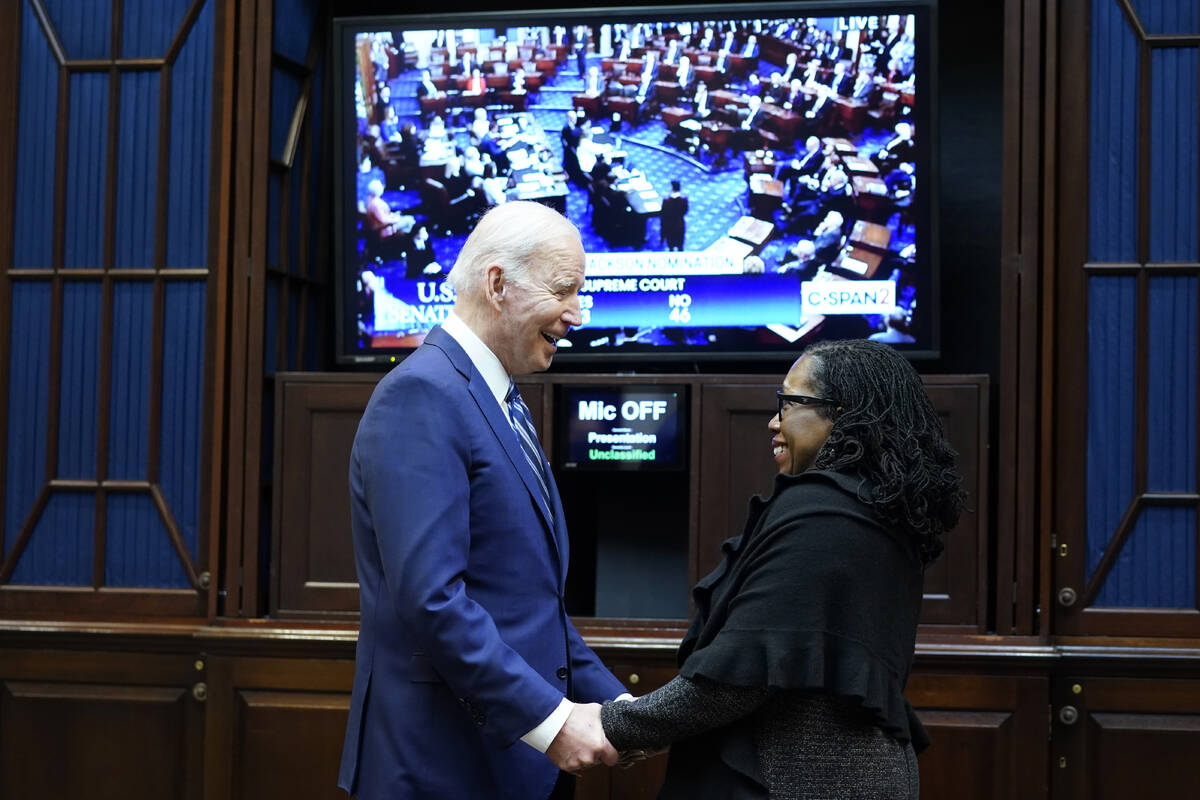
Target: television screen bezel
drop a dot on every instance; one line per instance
(925, 114)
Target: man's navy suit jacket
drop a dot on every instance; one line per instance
(465, 644)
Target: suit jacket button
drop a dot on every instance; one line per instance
(561, 673)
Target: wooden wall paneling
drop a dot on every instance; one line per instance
(989, 734)
(276, 727)
(1017, 534)
(641, 672)
(10, 21)
(736, 462)
(1068, 373)
(99, 725)
(1125, 737)
(249, 248)
(735, 465)
(1044, 277)
(956, 585)
(1069, 280)
(220, 232)
(312, 555)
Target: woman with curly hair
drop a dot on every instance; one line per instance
(792, 674)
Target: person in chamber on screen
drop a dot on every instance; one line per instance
(671, 218)
(792, 673)
(470, 680)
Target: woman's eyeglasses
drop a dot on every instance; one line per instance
(788, 400)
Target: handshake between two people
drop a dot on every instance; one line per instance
(581, 743)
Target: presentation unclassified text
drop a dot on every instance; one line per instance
(621, 441)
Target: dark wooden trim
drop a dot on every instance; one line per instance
(56, 47)
(104, 382)
(35, 512)
(1132, 18)
(257, 241)
(154, 401)
(185, 28)
(1141, 368)
(283, 295)
(1160, 40)
(1111, 551)
(1164, 267)
(181, 273)
(303, 232)
(1170, 498)
(1069, 369)
(172, 527)
(1140, 622)
(295, 67)
(114, 64)
(1010, 269)
(242, 207)
(84, 600)
(299, 113)
(218, 295)
(1026, 534)
(10, 22)
(274, 271)
(60, 169)
(1045, 353)
(1016, 542)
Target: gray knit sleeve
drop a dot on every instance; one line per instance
(684, 707)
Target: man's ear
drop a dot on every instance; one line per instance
(494, 285)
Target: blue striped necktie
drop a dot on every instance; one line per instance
(522, 425)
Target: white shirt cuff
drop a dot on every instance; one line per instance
(541, 737)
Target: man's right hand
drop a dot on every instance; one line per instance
(581, 742)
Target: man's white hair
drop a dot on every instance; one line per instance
(514, 235)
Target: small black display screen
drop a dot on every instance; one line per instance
(622, 428)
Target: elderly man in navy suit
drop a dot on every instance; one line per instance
(470, 680)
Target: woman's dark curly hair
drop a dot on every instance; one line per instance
(886, 430)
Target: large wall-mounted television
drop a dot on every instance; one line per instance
(745, 179)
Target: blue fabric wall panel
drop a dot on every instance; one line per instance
(137, 170)
(84, 29)
(1167, 16)
(28, 379)
(1171, 397)
(1112, 170)
(294, 27)
(293, 331)
(191, 120)
(149, 26)
(311, 334)
(315, 110)
(1112, 320)
(296, 213)
(271, 326)
(285, 90)
(59, 552)
(129, 405)
(87, 136)
(274, 185)
(182, 404)
(36, 122)
(1174, 178)
(79, 386)
(1157, 565)
(138, 547)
